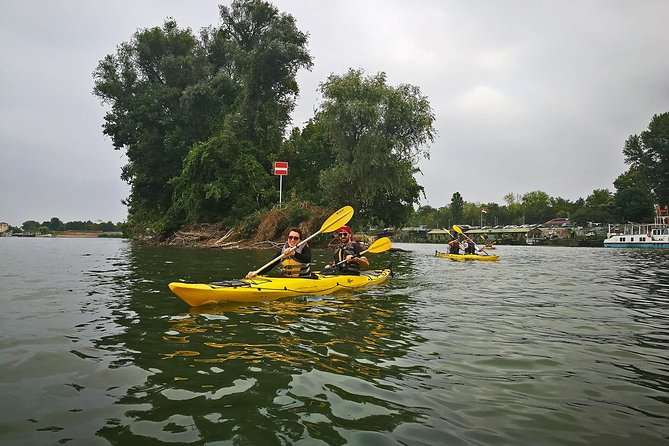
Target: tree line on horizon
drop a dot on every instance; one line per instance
(202, 118)
(637, 191)
(55, 224)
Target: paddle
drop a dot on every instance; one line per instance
(380, 245)
(336, 220)
(457, 229)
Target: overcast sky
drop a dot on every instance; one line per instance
(528, 95)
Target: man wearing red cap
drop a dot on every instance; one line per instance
(348, 252)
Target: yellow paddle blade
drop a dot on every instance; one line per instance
(380, 245)
(337, 220)
(457, 229)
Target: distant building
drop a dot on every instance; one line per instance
(4, 226)
(560, 221)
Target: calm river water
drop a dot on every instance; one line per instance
(548, 346)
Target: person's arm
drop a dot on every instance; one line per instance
(360, 260)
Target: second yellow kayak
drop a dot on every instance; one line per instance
(483, 258)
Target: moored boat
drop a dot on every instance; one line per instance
(480, 257)
(262, 288)
(641, 235)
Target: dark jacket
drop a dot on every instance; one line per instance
(298, 265)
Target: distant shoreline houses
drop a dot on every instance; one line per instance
(554, 230)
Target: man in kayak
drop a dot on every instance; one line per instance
(454, 247)
(295, 261)
(348, 251)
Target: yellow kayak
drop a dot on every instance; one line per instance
(483, 258)
(263, 288)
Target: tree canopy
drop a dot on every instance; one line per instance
(198, 116)
(648, 156)
(377, 135)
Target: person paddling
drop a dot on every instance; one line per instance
(295, 261)
(454, 246)
(348, 251)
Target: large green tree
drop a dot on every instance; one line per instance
(648, 154)
(377, 133)
(633, 200)
(147, 83)
(198, 116)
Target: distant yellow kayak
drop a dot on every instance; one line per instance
(483, 258)
(264, 288)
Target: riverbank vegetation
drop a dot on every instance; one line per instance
(202, 117)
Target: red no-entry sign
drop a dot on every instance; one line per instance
(280, 168)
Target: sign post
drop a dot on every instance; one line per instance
(281, 169)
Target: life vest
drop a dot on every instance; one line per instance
(290, 267)
(454, 247)
(341, 254)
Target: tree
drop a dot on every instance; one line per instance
(184, 109)
(648, 154)
(633, 200)
(378, 133)
(308, 153)
(514, 209)
(536, 207)
(144, 83)
(457, 207)
(599, 206)
(30, 226)
(55, 224)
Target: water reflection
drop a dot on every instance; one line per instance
(548, 346)
(270, 373)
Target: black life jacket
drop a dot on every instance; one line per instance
(341, 253)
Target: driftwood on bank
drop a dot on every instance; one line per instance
(270, 232)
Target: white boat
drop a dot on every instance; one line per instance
(641, 235)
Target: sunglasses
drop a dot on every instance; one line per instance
(343, 234)
(292, 237)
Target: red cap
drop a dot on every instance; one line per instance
(344, 229)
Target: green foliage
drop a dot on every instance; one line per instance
(648, 154)
(30, 225)
(634, 204)
(633, 200)
(55, 224)
(537, 207)
(308, 153)
(296, 215)
(457, 208)
(198, 117)
(377, 134)
(249, 224)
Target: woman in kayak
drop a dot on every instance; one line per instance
(295, 261)
(348, 252)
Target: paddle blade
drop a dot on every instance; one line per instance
(457, 229)
(380, 245)
(338, 219)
